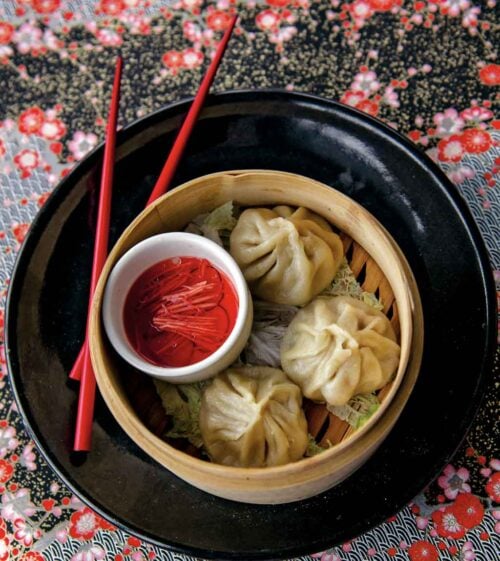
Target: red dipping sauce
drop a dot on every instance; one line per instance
(180, 311)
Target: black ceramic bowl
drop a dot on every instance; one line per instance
(275, 130)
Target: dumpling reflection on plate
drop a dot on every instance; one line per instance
(287, 255)
(339, 347)
(253, 417)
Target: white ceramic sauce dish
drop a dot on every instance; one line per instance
(143, 256)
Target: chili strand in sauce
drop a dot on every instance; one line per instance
(180, 311)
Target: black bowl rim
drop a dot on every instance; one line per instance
(245, 95)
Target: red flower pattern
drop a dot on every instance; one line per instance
(83, 524)
(6, 470)
(24, 533)
(218, 20)
(31, 120)
(447, 525)
(383, 5)
(27, 160)
(353, 98)
(490, 75)
(111, 7)
(46, 6)
(423, 551)
(53, 129)
(134, 542)
(468, 510)
(267, 20)
(361, 9)
(19, 231)
(451, 149)
(493, 487)
(172, 59)
(41, 200)
(369, 107)
(6, 32)
(278, 3)
(191, 58)
(476, 141)
(48, 504)
(476, 113)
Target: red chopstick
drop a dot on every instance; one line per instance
(163, 181)
(83, 367)
(76, 371)
(86, 396)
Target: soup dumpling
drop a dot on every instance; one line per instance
(253, 417)
(287, 255)
(339, 347)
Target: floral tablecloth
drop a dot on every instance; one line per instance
(427, 67)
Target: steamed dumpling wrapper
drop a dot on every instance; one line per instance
(253, 417)
(339, 347)
(287, 256)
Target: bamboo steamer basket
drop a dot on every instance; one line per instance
(379, 266)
